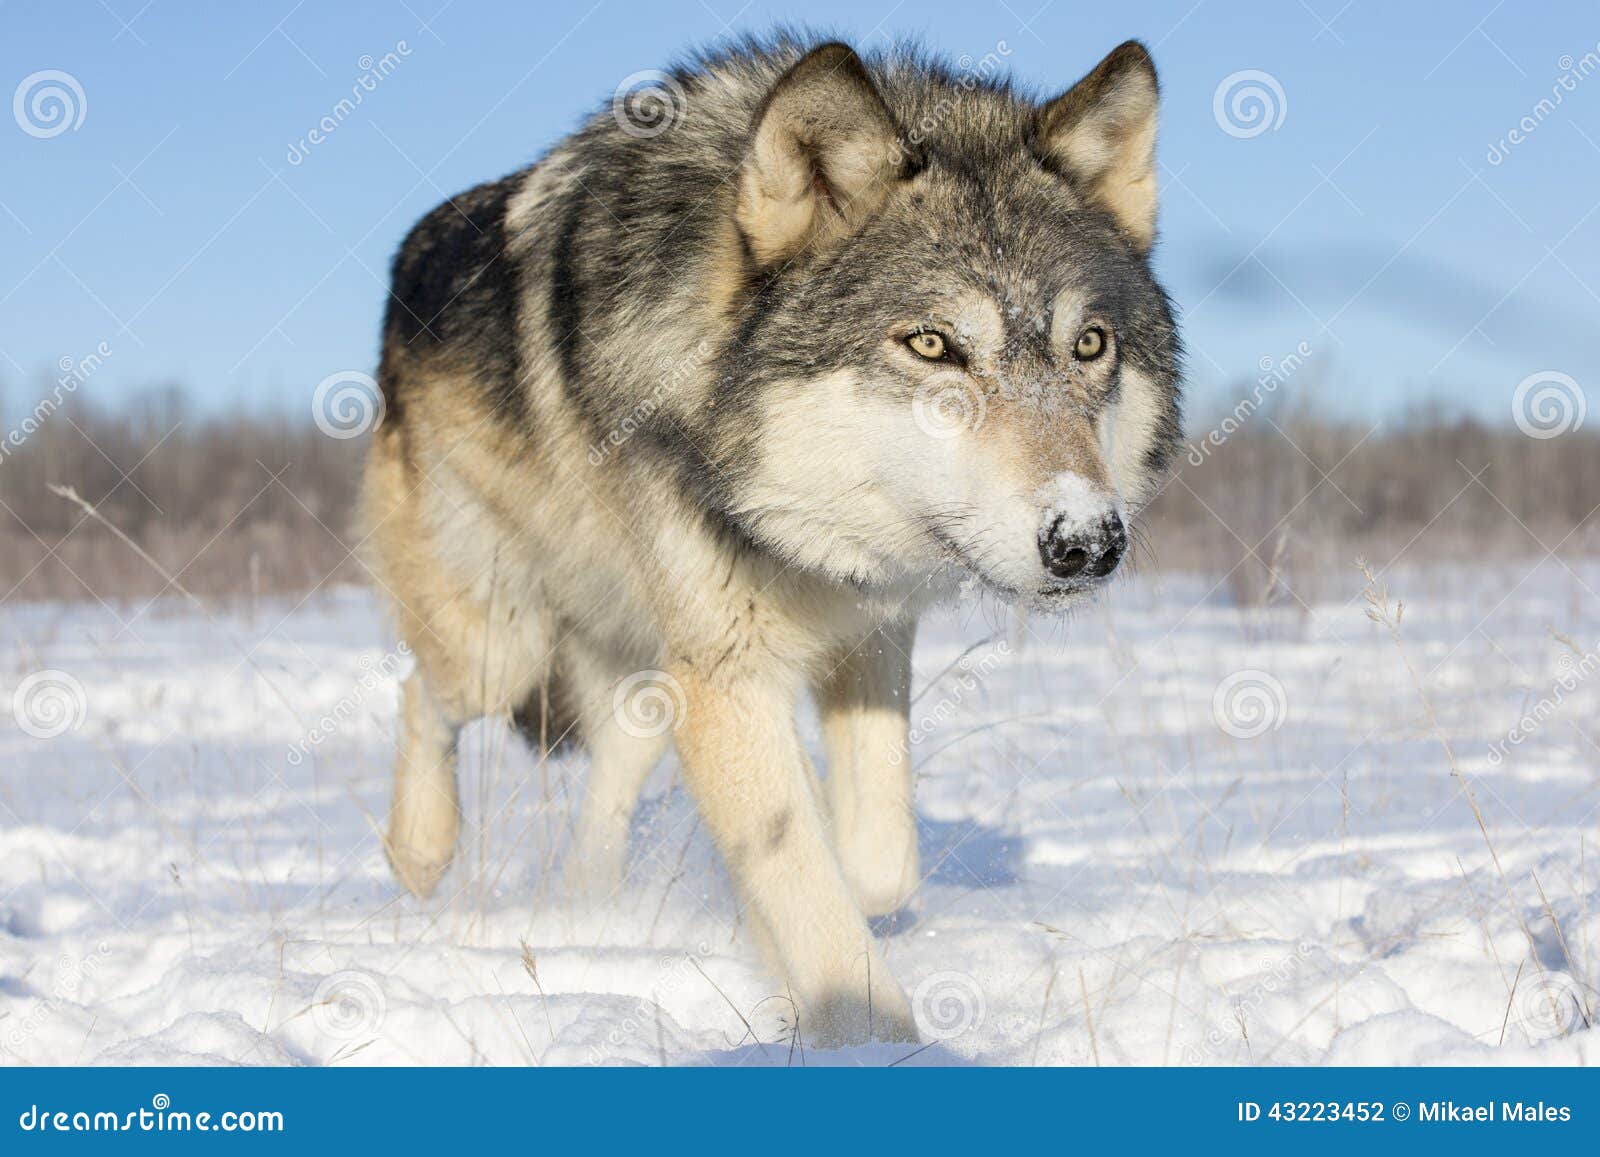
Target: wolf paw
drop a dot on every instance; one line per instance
(592, 879)
(883, 875)
(840, 1021)
(417, 870)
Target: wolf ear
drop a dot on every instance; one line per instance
(1103, 132)
(821, 157)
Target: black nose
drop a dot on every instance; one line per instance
(1073, 551)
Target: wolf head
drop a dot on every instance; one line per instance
(956, 350)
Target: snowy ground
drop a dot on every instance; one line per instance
(1173, 831)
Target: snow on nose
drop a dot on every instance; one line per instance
(1081, 532)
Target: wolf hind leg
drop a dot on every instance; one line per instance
(625, 720)
(425, 812)
(471, 664)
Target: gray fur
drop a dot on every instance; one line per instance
(649, 413)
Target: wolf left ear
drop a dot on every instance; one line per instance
(821, 159)
(1103, 132)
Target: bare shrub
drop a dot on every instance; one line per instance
(228, 501)
(1293, 492)
(225, 503)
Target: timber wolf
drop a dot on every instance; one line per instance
(684, 423)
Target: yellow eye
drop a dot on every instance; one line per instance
(1091, 344)
(928, 345)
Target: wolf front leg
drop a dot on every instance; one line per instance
(743, 761)
(864, 698)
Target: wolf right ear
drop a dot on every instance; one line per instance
(821, 159)
(1103, 131)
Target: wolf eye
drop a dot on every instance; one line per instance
(1091, 344)
(928, 344)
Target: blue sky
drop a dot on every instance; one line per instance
(1369, 221)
